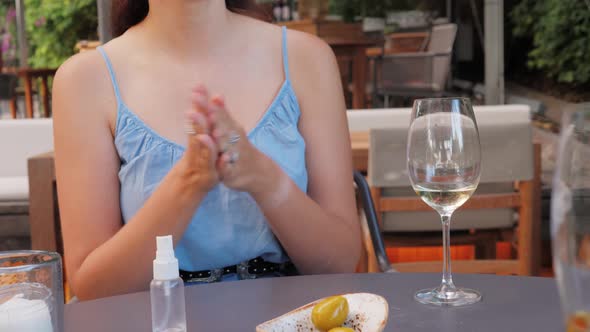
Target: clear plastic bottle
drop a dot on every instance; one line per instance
(167, 290)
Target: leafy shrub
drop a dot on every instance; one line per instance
(560, 32)
(54, 28)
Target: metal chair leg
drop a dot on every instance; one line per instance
(372, 222)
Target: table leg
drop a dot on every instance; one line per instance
(45, 96)
(28, 96)
(359, 78)
(13, 109)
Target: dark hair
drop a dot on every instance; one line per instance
(127, 13)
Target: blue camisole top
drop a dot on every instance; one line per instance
(228, 227)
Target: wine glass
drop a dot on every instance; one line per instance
(570, 220)
(444, 160)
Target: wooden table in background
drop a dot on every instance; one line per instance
(354, 49)
(349, 43)
(28, 75)
(359, 142)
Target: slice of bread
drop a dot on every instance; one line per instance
(367, 313)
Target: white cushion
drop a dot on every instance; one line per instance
(21, 139)
(505, 134)
(365, 120)
(14, 188)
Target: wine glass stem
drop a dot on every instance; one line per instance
(447, 285)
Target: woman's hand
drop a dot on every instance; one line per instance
(240, 165)
(198, 163)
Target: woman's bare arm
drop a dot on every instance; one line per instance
(102, 256)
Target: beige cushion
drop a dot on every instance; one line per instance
(15, 188)
(21, 139)
(507, 155)
(367, 119)
(506, 146)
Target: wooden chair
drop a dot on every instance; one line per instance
(8, 84)
(509, 184)
(418, 73)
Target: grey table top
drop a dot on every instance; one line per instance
(509, 304)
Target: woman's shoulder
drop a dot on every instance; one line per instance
(83, 80)
(312, 64)
(308, 53)
(91, 63)
(300, 44)
(80, 67)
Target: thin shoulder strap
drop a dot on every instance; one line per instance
(285, 55)
(111, 73)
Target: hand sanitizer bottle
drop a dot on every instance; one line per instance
(167, 290)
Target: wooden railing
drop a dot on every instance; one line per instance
(28, 76)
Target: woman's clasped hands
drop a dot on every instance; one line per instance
(218, 149)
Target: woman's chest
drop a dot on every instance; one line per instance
(162, 97)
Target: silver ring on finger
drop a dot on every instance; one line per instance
(233, 138)
(234, 156)
(189, 128)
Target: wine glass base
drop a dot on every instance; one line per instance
(460, 297)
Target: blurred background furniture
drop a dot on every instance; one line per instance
(407, 42)
(351, 53)
(19, 140)
(510, 183)
(326, 28)
(349, 44)
(34, 82)
(44, 210)
(87, 45)
(313, 9)
(8, 84)
(401, 42)
(378, 260)
(422, 73)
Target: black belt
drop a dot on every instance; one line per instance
(252, 269)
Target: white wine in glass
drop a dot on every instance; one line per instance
(444, 166)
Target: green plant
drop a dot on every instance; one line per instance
(8, 33)
(560, 32)
(349, 9)
(54, 28)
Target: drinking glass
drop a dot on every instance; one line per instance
(570, 220)
(444, 160)
(31, 291)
